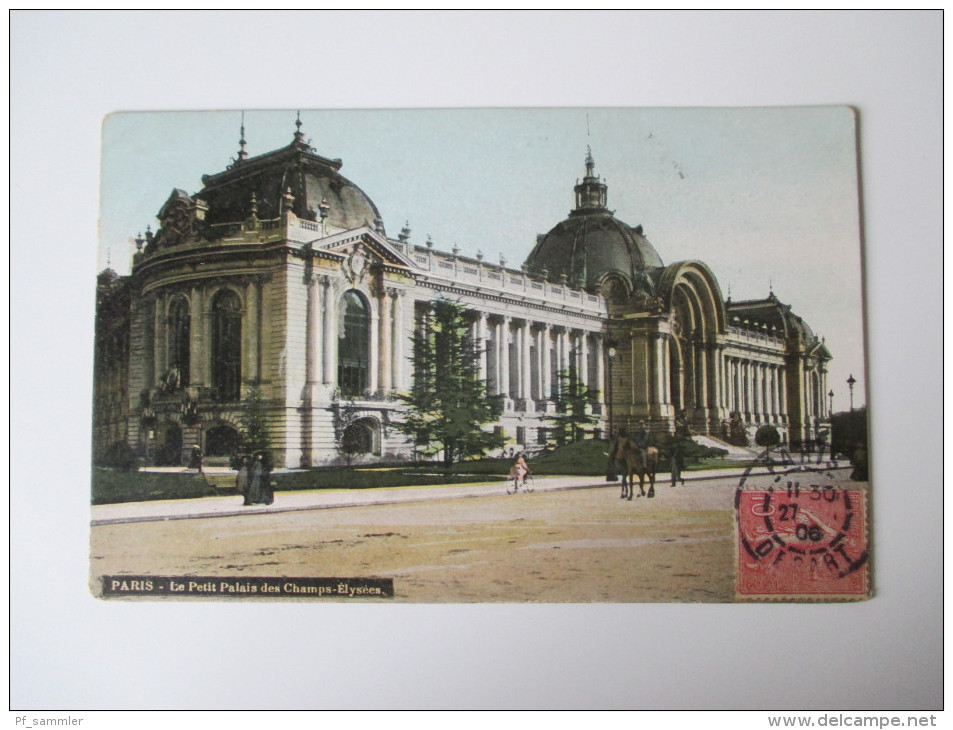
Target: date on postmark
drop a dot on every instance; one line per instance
(801, 538)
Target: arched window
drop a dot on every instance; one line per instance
(179, 338)
(226, 346)
(222, 440)
(354, 336)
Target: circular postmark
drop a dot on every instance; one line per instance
(800, 532)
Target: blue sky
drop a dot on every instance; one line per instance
(767, 197)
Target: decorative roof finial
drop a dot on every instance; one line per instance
(590, 163)
(299, 135)
(242, 154)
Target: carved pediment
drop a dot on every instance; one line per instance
(176, 219)
(363, 249)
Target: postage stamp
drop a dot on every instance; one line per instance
(802, 537)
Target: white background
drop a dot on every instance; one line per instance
(69, 651)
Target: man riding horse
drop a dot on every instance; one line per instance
(635, 456)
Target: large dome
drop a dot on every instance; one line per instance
(311, 179)
(592, 242)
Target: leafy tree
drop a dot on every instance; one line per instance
(448, 404)
(256, 435)
(767, 436)
(571, 397)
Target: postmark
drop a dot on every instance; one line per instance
(801, 533)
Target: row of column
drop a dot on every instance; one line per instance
(522, 359)
(385, 362)
(756, 390)
(200, 299)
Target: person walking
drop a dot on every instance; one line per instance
(242, 480)
(267, 488)
(256, 481)
(195, 459)
(677, 457)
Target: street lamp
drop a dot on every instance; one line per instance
(830, 409)
(850, 384)
(610, 356)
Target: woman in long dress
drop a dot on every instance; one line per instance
(241, 480)
(257, 480)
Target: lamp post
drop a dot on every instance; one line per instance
(830, 409)
(610, 356)
(850, 384)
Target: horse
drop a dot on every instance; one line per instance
(626, 454)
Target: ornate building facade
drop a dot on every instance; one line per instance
(279, 277)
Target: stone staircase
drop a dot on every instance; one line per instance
(734, 452)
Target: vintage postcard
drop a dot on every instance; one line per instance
(509, 355)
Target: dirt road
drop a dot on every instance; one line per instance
(576, 546)
(571, 546)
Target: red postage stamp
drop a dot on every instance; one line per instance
(802, 541)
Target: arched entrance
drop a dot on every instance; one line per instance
(221, 440)
(169, 445)
(361, 438)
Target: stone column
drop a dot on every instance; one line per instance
(482, 343)
(773, 385)
(714, 378)
(701, 375)
(584, 375)
(545, 362)
(755, 393)
(397, 340)
(526, 370)
(253, 325)
(746, 379)
(314, 333)
(598, 360)
(562, 337)
(161, 327)
(386, 334)
(516, 363)
(198, 355)
(661, 370)
(505, 357)
(782, 397)
(373, 353)
(330, 336)
(494, 368)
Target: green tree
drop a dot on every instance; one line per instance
(256, 435)
(448, 405)
(571, 398)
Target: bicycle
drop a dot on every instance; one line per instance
(526, 485)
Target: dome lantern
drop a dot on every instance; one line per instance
(592, 243)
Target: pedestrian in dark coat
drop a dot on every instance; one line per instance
(267, 489)
(242, 479)
(677, 457)
(256, 481)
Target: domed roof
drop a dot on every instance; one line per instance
(592, 242)
(312, 180)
